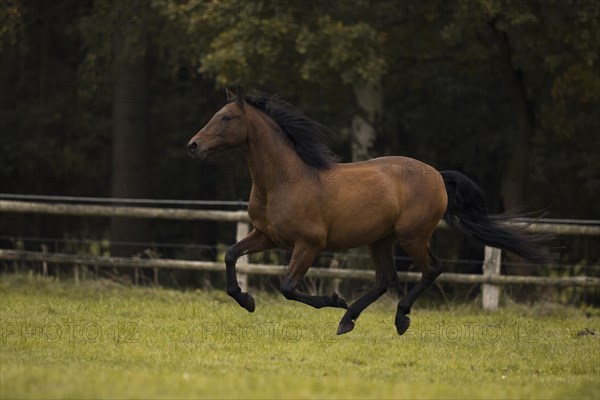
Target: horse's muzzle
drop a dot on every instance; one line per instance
(194, 150)
(192, 146)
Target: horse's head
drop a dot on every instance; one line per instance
(226, 129)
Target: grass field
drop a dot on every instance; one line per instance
(101, 340)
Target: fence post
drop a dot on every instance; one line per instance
(44, 263)
(335, 264)
(491, 266)
(242, 232)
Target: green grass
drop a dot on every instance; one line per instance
(101, 340)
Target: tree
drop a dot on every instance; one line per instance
(126, 51)
(534, 53)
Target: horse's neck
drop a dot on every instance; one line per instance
(269, 154)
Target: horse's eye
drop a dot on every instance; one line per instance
(225, 118)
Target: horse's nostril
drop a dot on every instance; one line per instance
(192, 146)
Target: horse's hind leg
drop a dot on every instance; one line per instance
(431, 269)
(385, 277)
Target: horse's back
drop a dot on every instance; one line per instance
(410, 177)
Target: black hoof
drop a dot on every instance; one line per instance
(246, 301)
(345, 327)
(339, 301)
(402, 324)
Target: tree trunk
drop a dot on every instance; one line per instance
(516, 170)
(366, 123)
(130, 144)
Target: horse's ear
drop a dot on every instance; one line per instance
(230, 95)
(240, 96)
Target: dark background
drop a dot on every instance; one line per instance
(99, 98)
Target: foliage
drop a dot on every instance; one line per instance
(555, 44)
(353, 50)
(11, 27)
(264, 41)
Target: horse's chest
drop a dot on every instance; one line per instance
(271, 223)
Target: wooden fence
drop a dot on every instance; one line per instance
(490, 279)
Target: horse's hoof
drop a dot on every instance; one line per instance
(339, 301)
(247, 301)
(402, 324)
(345, 327)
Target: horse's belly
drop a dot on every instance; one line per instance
(360, 229)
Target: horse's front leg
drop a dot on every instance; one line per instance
(302, 259)
(253, 243)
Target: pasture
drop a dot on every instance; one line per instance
(98, 339)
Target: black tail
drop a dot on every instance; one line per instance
(467, 212)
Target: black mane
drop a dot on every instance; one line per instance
(309, 138)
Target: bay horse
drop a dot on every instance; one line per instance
(303, 200)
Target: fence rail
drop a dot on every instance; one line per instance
(276, 270)
(490, 279)
(88, 210)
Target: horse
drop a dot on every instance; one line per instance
(304, 200)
